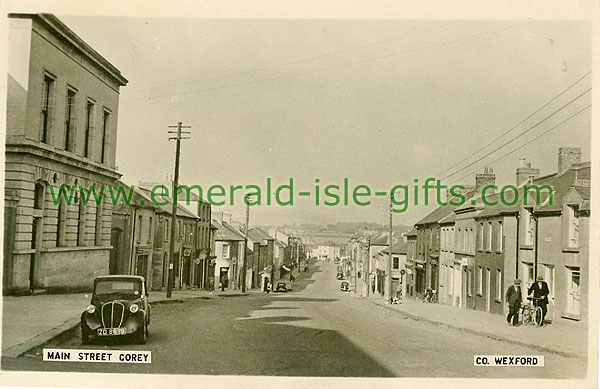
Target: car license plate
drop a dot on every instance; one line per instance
(111, 331)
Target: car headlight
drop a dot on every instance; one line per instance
(133, 308)
(91, 309)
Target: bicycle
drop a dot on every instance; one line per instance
(532, 312)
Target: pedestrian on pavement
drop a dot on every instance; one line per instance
(514, 298)
(540, 291)
(211, 284)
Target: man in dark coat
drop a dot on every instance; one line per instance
(514, 299)
(540, 291)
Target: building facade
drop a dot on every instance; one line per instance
(61, 131)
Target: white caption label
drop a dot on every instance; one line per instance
(508, 360)
(115, 356)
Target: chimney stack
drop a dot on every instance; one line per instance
(218, 216)
(525, 172)
(567, 156)
(486, 178)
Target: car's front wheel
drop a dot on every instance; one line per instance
(142, 334)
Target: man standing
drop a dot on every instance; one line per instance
(540, 291)
(514, 299)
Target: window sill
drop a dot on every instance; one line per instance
(479, 294)
(498, 301)
(571, 250)
(75, 248)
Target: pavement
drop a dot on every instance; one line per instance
(560, 337)
(32, 321)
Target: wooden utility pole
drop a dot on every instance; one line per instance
(368, 275)
(178, 138)
(245, 244)
(389, 264)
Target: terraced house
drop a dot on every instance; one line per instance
(61, 129)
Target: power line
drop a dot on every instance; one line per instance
(528, 142)
(516, 125)
(259, 69)
(520, 135)
(340, 65)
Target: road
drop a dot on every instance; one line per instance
(315, 330)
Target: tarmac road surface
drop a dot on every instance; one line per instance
(315, 330)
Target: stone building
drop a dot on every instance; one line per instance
(61, 131)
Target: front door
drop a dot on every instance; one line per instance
(115, 242)
(573, 292)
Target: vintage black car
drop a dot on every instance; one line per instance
(281, 287)
(119, 307)
(340, 276)
(344, 287)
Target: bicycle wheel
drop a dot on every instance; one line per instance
(527, 316)
(537, 316)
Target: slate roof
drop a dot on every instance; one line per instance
(181, 211)
(225, 231)
(443, 210)
(400, 247)
(560, 183)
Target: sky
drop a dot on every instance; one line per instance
(380, 102)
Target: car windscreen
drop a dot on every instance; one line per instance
(124, 287)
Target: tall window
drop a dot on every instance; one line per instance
(70, 119)
(81, 224)
(226, 251)
(498, 285)
(61, 222)
(47, 108)
(396, 263)
(150, 225)
(573, 222)
(499, 237)
(105, 124)
(470, 282)
(528, 220)
(480, 237)
(488, 240)
(167, 231)
(98, 238)
(480, 280)
(139, 229)
(89, 128)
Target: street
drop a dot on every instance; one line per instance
(315, 330)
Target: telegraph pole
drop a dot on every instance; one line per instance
(368, 275)
(389, 264)
(178, 138)
(245, 244)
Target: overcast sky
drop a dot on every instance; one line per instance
(379, 102)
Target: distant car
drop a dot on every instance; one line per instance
(340, 276)
(344, 287)
(281, 287)
(119, 307)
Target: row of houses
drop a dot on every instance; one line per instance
(470, 254)
(61, 131)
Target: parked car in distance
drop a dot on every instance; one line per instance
(281, 287)
(344, 287)
(119, 307)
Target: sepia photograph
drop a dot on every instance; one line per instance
(201, 195)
